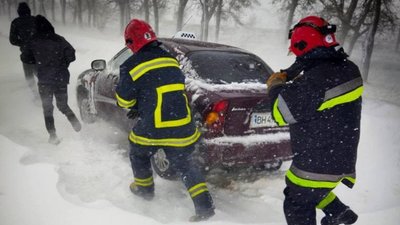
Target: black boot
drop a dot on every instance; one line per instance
(147, 193)
(53, 139)
(49, 122)
(346, 217)
(204, 207)
(202, 215)
(74, 122)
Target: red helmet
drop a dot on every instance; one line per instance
(138, 33)
(311, 32)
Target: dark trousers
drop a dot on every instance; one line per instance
(46, 92)
(180, 161)
(301, 202)
(30, 72)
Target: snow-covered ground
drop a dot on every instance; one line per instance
(85, 179)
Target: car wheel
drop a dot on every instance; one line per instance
(162, 166)
(84, 109)
(270, 166)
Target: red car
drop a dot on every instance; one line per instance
(227, 91)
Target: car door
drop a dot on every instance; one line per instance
(106, 84)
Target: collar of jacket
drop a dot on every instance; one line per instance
(321, 54)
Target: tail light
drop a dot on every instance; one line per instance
(215, 118)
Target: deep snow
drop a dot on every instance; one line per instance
(85, 179)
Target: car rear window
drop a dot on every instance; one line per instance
(221, 67)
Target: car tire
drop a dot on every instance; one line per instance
(84, 109)
(270, 166)
(162, 166)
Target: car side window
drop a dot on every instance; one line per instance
(118, 59)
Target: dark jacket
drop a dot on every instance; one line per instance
(52, 54)
(21, 31)
(152, 83)
(323, 110)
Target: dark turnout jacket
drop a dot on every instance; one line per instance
(152, 83)
(323, 109)
(52, 54)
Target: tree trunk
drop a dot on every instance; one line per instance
(218, 19)
(79, 12)
(33, 7)
(398, 40)
(369, 41)
(208, 8)
(121, 5)
(146, 8)
(181, 13)
(53, 8)
(63, 4)
(346, 19)
(42, 10)
(127, 14)
(156, 16)
(292, 8)
(10, 17)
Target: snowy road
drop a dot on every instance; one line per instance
(85, 179)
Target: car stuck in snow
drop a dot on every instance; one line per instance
(226, 89)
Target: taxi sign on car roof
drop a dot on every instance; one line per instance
(185, 35)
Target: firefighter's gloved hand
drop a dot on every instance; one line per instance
(132, 114)
(275, 79)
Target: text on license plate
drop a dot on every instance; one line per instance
(262, 120)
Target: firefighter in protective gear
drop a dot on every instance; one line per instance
(152, 86)
(322, 108)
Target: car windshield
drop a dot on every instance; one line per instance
(220, 67)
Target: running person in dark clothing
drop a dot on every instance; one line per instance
(53, 54)
(21, 31)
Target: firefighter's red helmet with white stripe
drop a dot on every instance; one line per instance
(311, 32)
(138, 33)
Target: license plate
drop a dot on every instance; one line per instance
(262, 120)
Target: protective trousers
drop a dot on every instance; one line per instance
(301, 202)
(30, 72)
(46, 92)
(180, 161)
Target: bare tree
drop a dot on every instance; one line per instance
(368, 45)
(146, 8)
(42, 9)
(53, 10)
(9, 4)
(33, 7)
(218, 16)
(291, 8)
(398, 40)
(124, 10)
(156, 16)
(180, 14)
(63, 4)
(208, 9)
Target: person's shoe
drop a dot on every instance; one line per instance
(203, 215)
(75, 123)
(347, 217)
(144, 192)
(53, 139)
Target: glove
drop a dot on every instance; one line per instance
(276, 78)
(132, 114)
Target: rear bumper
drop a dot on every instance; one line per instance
(246, 151)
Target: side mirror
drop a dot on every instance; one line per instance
(98, 64)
